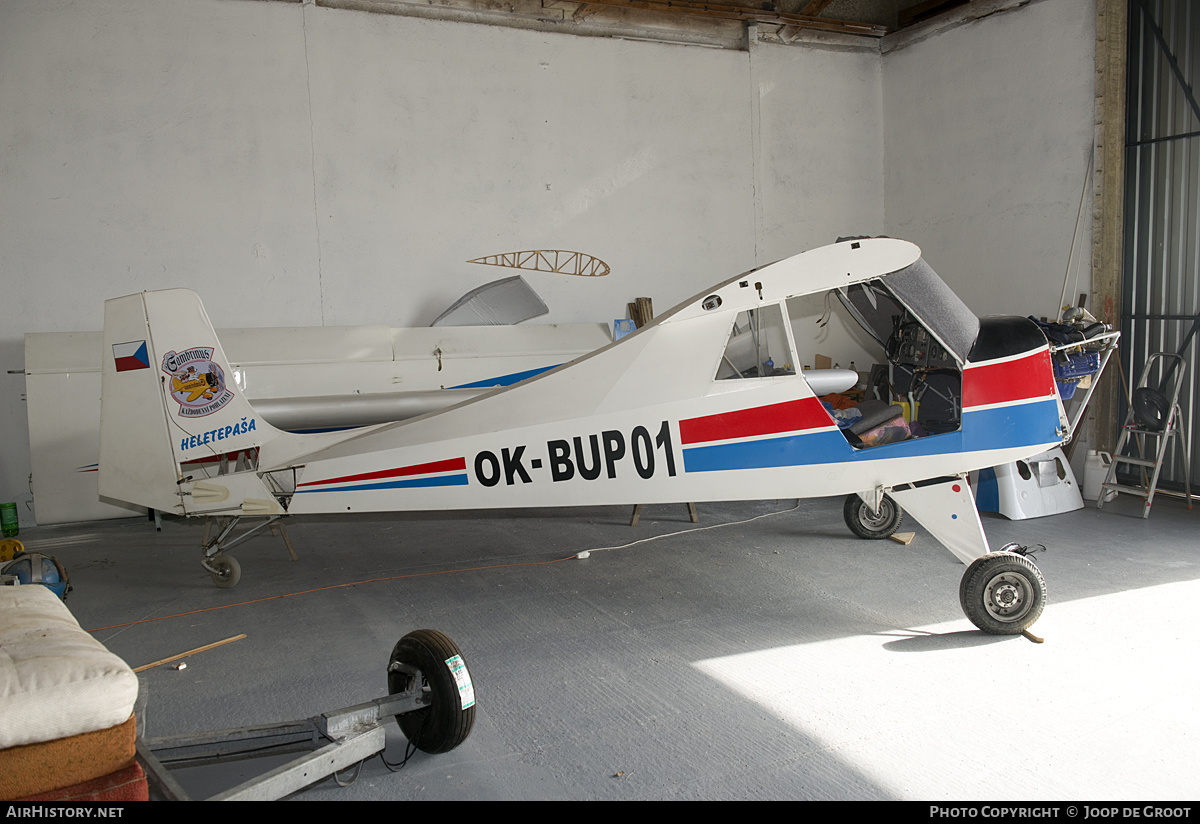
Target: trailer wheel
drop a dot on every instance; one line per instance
(872, 525)
(1002, 593)
(225, 571)
(445, 722)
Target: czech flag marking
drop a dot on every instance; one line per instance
(130, 356)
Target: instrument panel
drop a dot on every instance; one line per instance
(911, 345)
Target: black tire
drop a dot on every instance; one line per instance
(872, 525)
(225, 572)
(1002, 593)
(1151, 408)
(444, 724)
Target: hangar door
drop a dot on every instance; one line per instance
(1161, 270)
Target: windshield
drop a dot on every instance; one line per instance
(876, 304)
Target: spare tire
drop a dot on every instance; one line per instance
(1151, 408)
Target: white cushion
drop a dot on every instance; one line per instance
(55, 679)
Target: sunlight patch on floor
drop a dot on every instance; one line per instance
(945, 712)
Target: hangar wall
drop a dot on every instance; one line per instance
(989, 128)
(299, 165)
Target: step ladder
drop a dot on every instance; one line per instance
(1150, 444)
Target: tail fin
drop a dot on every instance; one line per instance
(167, 398)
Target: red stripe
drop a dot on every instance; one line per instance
(210, 459)
(416, 469)
(1014, 380)
(806, 413)
(130, 363)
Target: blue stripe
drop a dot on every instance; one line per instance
(1026, 424)
(505, 380)
(792, 450)
(1006, 426)
(411, 483)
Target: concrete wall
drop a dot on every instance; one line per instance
(988, 136)
(818, 174)
(440, 142)
(299, 165)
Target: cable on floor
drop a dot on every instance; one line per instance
(585, 553)
(578, 555)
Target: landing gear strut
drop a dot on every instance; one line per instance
(222, 567)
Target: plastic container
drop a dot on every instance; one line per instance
(8, 520)
(1095, 470)
(909, 414)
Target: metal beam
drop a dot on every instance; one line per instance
(1171, 61)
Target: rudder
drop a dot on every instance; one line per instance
(167, 398)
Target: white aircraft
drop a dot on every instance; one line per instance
(704, 403)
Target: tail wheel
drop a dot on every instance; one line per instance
(1002, 593)
(447, 720)
(225, 571)
(866, 523)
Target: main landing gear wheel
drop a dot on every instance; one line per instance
(873, 525)
(445, 723)
(225, 571)
(1002, 593)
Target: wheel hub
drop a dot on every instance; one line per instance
(875, 520)
(1007, 597)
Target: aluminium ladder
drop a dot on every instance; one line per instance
(1138, 431)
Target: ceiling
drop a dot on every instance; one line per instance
(892, 14)
(706, 22)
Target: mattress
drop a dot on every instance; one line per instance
(128, 784)
(58, 685)
(77, 767)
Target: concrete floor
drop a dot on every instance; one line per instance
(776, 659)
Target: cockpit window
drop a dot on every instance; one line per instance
(757, 347)
(873, 307)
(926, 334)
